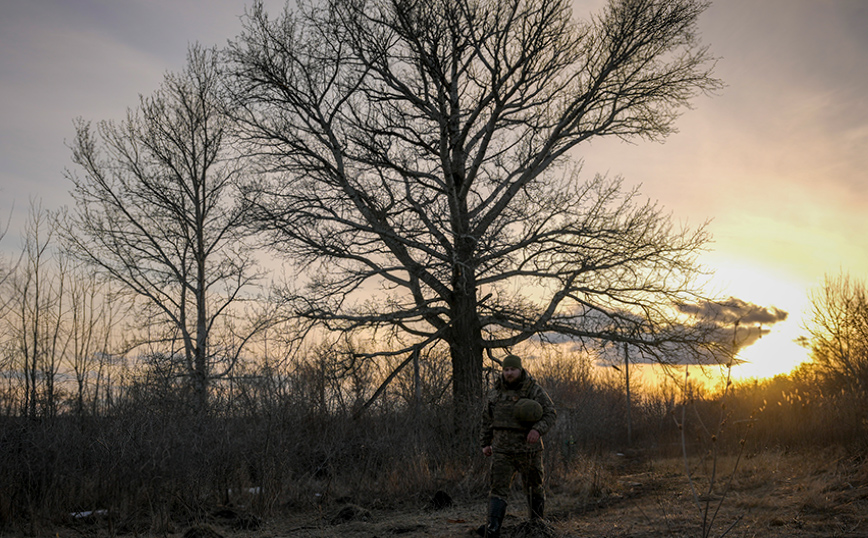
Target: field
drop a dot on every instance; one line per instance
(773, 494)
(291, 467)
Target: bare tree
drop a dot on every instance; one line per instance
(6, 270)
(7, 360)
(420, 166)
(155, 212)
(36, 315)
(837, 333)
(92, 328)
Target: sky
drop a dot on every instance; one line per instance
(776, 162)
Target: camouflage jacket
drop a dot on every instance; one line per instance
(500, 429)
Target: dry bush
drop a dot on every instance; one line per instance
(797, 411)
(278, 440)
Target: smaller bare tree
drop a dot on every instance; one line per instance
(155, 212)
(36, 315)
(92, 319)
(837, 333)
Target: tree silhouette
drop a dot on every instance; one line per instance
(419, 159)
(155, 212)
(837, 333)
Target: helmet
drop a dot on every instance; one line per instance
(527, 411)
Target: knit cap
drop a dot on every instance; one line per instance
(512, 361)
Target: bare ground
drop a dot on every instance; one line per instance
(770, 495)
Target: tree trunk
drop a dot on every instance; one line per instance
(465, 343)
(466, 387)
(202, 372)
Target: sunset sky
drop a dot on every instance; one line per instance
(777, 161)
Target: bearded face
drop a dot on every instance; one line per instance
(511, 375)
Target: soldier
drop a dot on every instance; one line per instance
(516, 414)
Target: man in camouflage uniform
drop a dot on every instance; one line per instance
(512, 428)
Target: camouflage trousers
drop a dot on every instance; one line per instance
(504, 467)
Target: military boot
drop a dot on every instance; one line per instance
(537, 507)
(496, 513)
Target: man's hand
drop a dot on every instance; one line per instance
(486, 451)
(533, 437)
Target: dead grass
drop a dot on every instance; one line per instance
(774, 494)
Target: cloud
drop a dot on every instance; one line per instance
(733, 324)
(734, 311)
(729, 326)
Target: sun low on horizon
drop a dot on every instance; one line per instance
(777, 351)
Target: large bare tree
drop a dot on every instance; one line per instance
(419, 166)
(155, 211)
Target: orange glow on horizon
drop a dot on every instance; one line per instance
(776, 352)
